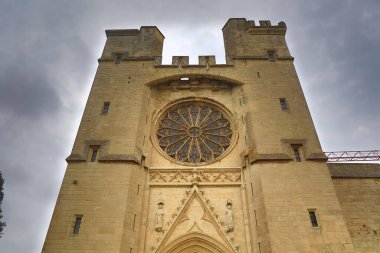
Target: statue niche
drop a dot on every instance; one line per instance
(160, 216)
(229, 217)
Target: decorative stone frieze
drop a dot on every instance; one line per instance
(189, 176)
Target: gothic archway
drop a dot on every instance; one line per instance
(195, 242)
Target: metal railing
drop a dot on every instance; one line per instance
(353, 156)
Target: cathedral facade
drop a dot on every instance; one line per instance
(203, 158)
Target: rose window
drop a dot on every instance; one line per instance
(194, 133)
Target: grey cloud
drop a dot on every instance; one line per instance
(338, 60)
(32, 165)
(26, 91)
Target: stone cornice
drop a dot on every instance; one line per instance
(253, 156)
(281, 58)
(119, 158)
(316, 156)
(105, 158)
(194, 66)
(131, 32)
(354, 170)
(75, 158)
(122, 32)
(269, 157)
(273, 30)
(140, 58)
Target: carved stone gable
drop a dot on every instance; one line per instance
(195, 222)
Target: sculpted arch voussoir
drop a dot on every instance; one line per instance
(195, 240)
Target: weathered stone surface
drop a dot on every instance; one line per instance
(354, 170)
(358, 190)
(117, 194)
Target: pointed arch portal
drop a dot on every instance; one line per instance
(195, 243)
(203, 235)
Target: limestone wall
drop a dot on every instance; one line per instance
(358, 189)
(271, 192)
(107, 198)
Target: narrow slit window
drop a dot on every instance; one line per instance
(283, 104)
(313, 218)
(271, 56)
(297, 154)
(118, 59)
(142, 163)
(254, 212)
(134, 222)
(106, 107)
(78, 220)
(93, 153)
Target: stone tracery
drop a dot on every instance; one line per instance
(196, 132)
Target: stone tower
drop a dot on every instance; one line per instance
(197, 158)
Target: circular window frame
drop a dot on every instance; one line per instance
(225, 112)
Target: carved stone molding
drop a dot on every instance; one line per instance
(187, 176)
(316, 156)
(127, 158)
(119, 158)
(75, 158)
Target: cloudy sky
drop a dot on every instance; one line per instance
(48, 58)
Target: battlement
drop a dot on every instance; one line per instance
(249, 26)
(134, 43)
(203, 60)
(134, 32)
(244, 39)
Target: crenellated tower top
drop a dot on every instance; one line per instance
(146, 42)
(244, 39)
